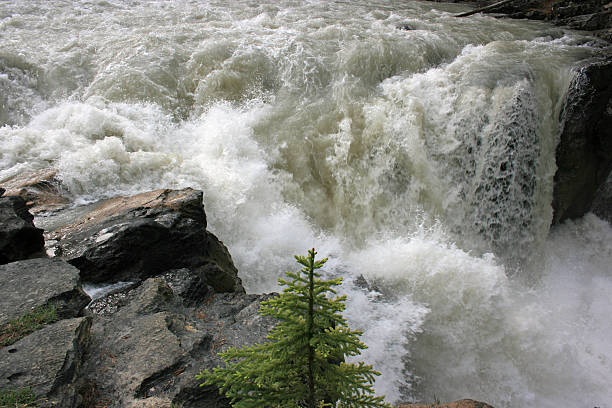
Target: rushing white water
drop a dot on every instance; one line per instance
(421, 159)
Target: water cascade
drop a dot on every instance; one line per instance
(414, 149)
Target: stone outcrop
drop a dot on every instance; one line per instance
(19, 238)
(147, 350)
(133, 238)
(38, 282)
(142, 344)
(465, 403)
(584, 153)
(591, 15)
(41, 190)
(48, 361)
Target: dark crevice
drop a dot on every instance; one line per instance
(160, 382)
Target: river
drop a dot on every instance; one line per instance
(413, 148)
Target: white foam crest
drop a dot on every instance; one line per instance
(389, 326)
(461, 293)
(496, 340)
(99, 148)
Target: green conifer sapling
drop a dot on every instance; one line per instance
(302, 365)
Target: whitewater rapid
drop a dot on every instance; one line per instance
(414, 149)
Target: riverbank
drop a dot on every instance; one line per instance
(589, 15)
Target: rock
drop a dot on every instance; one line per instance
(602, 204)
(187, 285)
(48, 360)
(37, 282)
(151, 403)
(405, 27)
(465, 403)
(590, 22)
(132, 238)
(530, 14)
(41, 190)
(149, 349)
(605, 34)
(584, 152)
(19, 238)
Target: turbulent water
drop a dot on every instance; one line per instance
(414, 149)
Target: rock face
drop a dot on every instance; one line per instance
(48, 361)
(19, 238)
(465, 403)
(141, 345)
(37, 282)
(602, 204)
(41, 190)
(591, 15)
(584, 153)
(132, 238)
(146, 351)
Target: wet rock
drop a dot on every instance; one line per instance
(132, 238)
(48, 360)
(41, 190)
(584, 152)
(530, 14)
(565, 9)
(465, 403)
(19, 238)
(518, 6)
(151, 403)
(405, 27)
(590, 22)
(602, 204)
(37, 282)
(187, 285)
(148, 351)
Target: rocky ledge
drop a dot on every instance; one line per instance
(133, 238)
(140, 345)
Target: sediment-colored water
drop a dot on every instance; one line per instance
(421, 159)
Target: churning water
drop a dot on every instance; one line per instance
(414, 149)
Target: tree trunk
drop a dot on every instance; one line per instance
(311, 385)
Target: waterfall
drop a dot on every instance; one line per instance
(414, 149)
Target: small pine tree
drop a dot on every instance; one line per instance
(302, 365)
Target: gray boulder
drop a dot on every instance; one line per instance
(48, 361)
(37, 282)
(19, 238)
(41, 189)
(584, 152)
(133, 238)
(147, 350)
